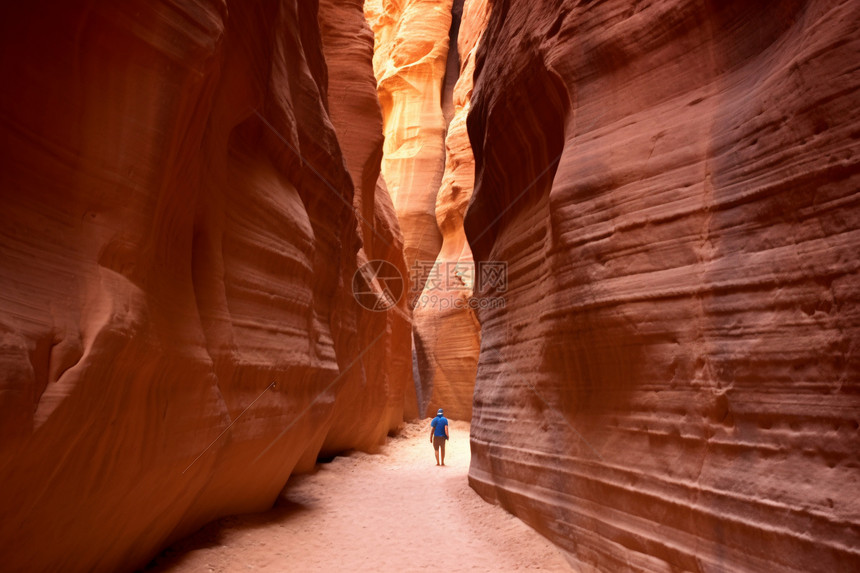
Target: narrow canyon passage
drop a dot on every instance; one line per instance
(619, 239)
(394, 511)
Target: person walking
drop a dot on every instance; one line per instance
(439, 435)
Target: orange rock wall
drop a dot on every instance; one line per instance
(410, 52)
(447, 334)
(673, 382)
(178, 238)
(424, 88)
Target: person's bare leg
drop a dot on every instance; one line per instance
(443, 453)
(437, 457)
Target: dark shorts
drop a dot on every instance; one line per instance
(438, 441)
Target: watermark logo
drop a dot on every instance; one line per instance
(442, 285)
(441, 302)
(390, 282)
(451, 276)
(493, 276)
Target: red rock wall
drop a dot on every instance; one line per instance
(410, 52)
(378, 392)
(177, 244)
(673, 382)
(423, 60)
(446, 330)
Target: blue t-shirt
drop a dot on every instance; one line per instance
(438, 424)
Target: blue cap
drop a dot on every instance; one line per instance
(439, 413)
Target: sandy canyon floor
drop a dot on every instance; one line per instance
(394, 511)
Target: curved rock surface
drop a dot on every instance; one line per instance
(377, 393)
(673, 383)
(447, 334)
(410, 53)
(178, 244)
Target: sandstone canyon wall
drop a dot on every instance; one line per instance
(424, 60)
(447, 334)
(383, 384)
(673, 383)
(184, 210)
(410, 52)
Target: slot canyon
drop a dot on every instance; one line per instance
(618, 241)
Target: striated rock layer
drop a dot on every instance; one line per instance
(446, 330)
(178, 243)
(673, 383)
(376, 394)
(409, 57)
